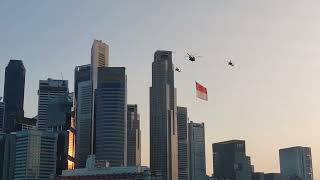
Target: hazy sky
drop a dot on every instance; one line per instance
(270, 99)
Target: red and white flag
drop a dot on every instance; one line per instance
(202, 92)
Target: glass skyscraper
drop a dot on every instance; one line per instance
(83, 113)
(296, 162)
(49, 90)
(197, 151)
(183, 155)
(35, 155)
(111, 116)
(14, 95)
(133, 136)
(230, 161)
(7, 155)
(163, 118)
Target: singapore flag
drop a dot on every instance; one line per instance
(202, 92)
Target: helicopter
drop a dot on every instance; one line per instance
(192, 58)
(178, 70)
(230, 63)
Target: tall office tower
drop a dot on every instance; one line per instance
(13, 95)
(163, 118)
(1, 115)
(99, 58)
(59, 122)
(183, 153)
(111, 116)
(83, 113)
(296, 161)
(197, 153)
(7, 155)
(49, 90)
(133, 136)
(35, 155)
(230, 161)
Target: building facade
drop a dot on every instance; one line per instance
(111, 116)
(13, 97)
(197, 153)
(296, 161)
(133, 136)
(109, 173)
(83, 113)
(7, 155)
(163, 120)
(272, 176)
(49, 90)
(230, 161)
(183, 152)
(35, 155)
(99, 58)
(1, 115)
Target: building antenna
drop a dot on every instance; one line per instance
(61, 75)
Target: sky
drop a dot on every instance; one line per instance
(270, 98)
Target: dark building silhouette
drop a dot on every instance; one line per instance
(163, 120)
(230, 161)
(183, 156)
(272, 176)
(14, 95)
(7, 155)
(133, 136)
(111, 116)
(1, 115)
(258, 176)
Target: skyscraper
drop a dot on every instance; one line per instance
(35, 155)
(13, 95)
(99, 58)
(183, 153)
(1, 115)
(83, 113)
(163, 120)
(197, 153)
(111, 116)
(7, 155)
(49, 90)
(133, 136)
(296, 161)
(230, 161)
(59, 122)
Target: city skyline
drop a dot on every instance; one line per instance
(272, 93)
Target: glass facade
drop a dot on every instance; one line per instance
(197, 153)
(296, 162)
(163, 119)
(230, 161)
(35, 155)
(111, 116)
(83, 116)
(133, 136)
(183, 156)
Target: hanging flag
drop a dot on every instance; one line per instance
(202, 92)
